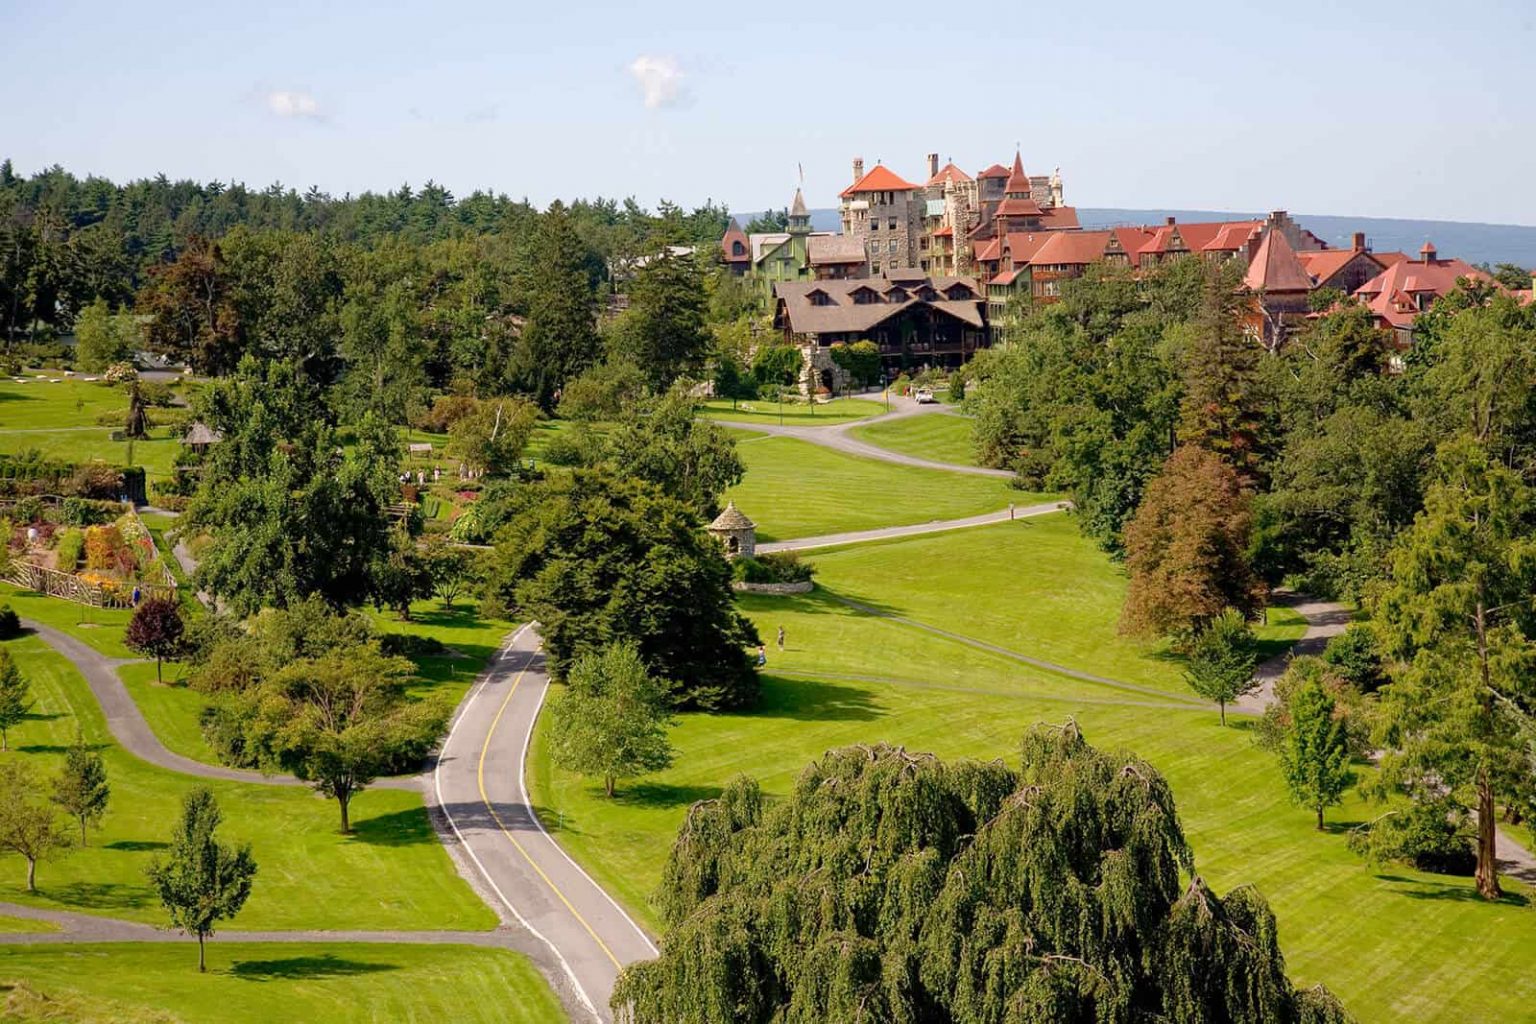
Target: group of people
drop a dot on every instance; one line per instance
(762, 649)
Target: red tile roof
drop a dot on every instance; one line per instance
(995, 171)
(1393, 294)
(1198, 237)
(1059, 218)
(1015, 206)
(945, 232)
(881, 179)
(1324, 263)
(1022, 245)
(1275, 268)
(949, 172)
(1071, 248)
(733, 233)
(991, 249)
(1006, 277)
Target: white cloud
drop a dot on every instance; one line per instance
(293, 103)
(660, 80)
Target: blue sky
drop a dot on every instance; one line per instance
(1409, 109)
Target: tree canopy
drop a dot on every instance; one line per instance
(894, 886)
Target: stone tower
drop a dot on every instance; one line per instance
(736, 532)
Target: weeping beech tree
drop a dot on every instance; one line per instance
(894, 887)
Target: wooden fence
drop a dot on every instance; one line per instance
(70, 587)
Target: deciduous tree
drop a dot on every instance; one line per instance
(28, 825)
(687, 456)
(491, 438)
(896, 887)
(81, 788)
(203, 881)
(612, 721)
(1222, 657)
(156, 630)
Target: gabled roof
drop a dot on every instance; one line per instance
(1071, 248)
(845, 316)
(764, 243)
(201, 433)
(949, 172)
(1198, 237)
(1018, 206)
(1322, 264)
(733, 233)
(1006, 277)
(825, 249)
(797, 208)
(991, 249)
(1275, 268)
(995, 171)
(1393, 294)
(1021, 246)
(944, 232)
(881, 179)
(1059, 218)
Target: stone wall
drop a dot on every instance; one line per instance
(779, 589)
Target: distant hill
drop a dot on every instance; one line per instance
(1475, 243)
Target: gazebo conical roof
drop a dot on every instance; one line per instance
(732, 519)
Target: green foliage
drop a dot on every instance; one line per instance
(10, 623)
(892, 886)
(1355, 655)
(1458, 619)
(663, 331)
(1222, 657)
(202, 881)
(15, 696)
(1433, 833)
(777, 365)
(560, 339)
(400, 575)
(28, 826)
(1314, 751)
(337, 719)
(102, 338)
(773, 567)
(602, 392)
(860, 360)
(599, 559)
(81, 788)
(612, 721)
(692, 459)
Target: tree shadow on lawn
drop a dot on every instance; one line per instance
(99, 896)
(398, 828)
(309, 968)
(806, 700)
(1459, 890)
(137, 845)
(657, 795)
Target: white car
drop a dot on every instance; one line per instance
(924, 396)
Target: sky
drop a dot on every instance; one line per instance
(1412, 109)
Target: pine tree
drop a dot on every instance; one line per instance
(560, 340)
(15, 696)
(1222, 410)
(81, 789)
(1314, 750)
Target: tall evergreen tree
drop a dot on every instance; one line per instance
(560, 340)
(1459, 618)
(663, 332)
(15, 696)
(1222, 409)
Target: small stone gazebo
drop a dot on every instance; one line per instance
(736, 532)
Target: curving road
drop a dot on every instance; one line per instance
(915, 530)
(838, 438)
(479, 800)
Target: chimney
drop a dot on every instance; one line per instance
(1428, 254)
(933, 165)
(858, 168)
(1358, 242)
(1169, 221)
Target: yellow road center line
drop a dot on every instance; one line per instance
(480, 776)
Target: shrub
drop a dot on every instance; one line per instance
(776, 567)
(71, 545)
(1432, 835)
(10, 623)
(107, 551)
(445, 412)
(95, 480)
(1354, 656)
(87, 512)
(409, 645)
(29, 510)
(957, 386)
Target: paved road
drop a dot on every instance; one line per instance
(840, 439)
(914, 530)
(133, 733)
(1325, 620)
(481, 806)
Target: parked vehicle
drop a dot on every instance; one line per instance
(924, 396)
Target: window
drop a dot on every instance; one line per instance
(874, 225)
(892, 247)
(874, 268)
(890, 224)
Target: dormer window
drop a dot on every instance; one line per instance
(865, 296)
(896, 295)
(737, 249)
(817, 297)
(957, 292)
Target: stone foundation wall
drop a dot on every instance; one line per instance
(780, 589)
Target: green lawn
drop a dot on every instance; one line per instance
(937, 436)
(255, 983)
(24, 925)
(392, 873)
(1393, 943)
(798, 489)
(59, 420)
(792, 414)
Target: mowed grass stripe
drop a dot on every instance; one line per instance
(942, 437)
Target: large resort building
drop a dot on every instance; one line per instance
(930, 273)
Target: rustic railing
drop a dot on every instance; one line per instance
(68, 586)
